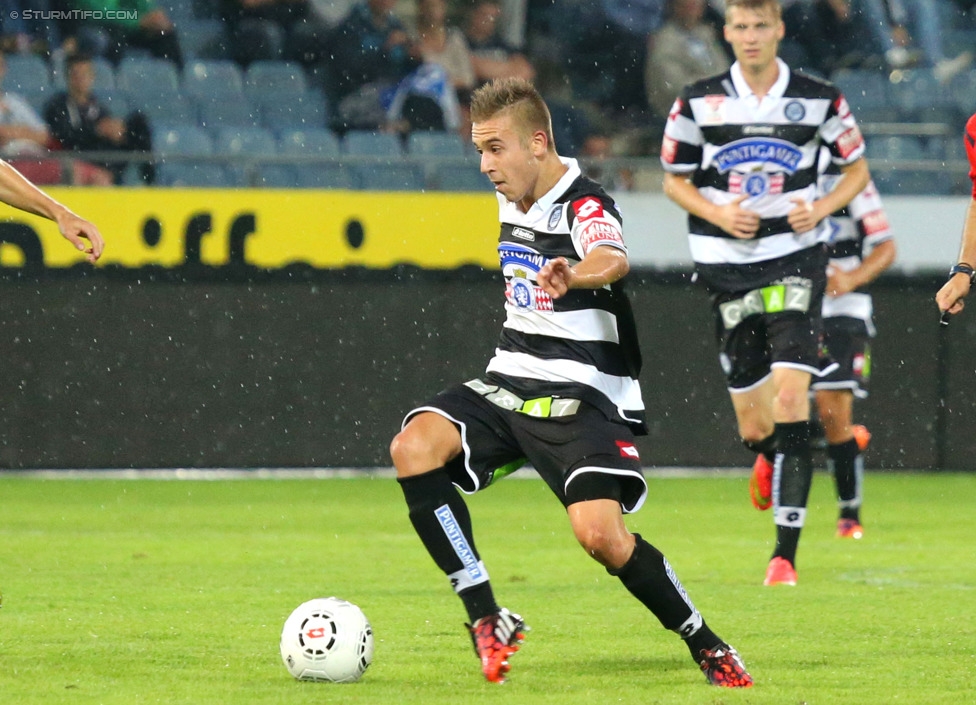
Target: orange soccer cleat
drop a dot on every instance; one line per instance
(849, 529)
(862, 435)
(496, 637)
(780, 572)
(723, 667)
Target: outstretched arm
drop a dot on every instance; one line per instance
(17, 191)
(603, 265)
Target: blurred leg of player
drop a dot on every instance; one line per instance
(779, 408)
(844, 459)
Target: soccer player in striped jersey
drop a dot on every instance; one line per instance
(951, 297)
(740, 154)
(560, 392)
(861, 248)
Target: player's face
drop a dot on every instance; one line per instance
(754, 36)
(508, 157)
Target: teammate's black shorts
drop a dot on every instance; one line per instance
(848, 342)
(581, 456)
(778, 325)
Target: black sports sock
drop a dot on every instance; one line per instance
(767, 446)
(791, 486)
(441, 519)
(845, 462)
(649, 577)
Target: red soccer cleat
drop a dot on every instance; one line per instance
(780, 572)
(862, 435)
(849, 529)
(496, 637)
(761, 483)
(723, 667)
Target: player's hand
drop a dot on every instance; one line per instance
(82, 234)
(950, 298)
(803, 217)
(839, 282)
(556, 277)
(737, 221)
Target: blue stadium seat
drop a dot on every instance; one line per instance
(366, 143)
(462, 178)
(203, 39)
(275, 78)
(962, 88)
(115, 101)
(26, 72)
(104, 75)
(223, 110)
(920, 97)
(866, 93)
(212, 77)
(894, 148)
(316, 141)
(912, 182)
(139, 75)
(390, 177)
(183, 140)
(438, 144)
(242, 143)
(306, 110)
(164, 109)
(277, 176)
(186, 141)
(325, 176)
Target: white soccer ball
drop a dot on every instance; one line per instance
(327, 639)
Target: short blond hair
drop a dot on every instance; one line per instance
(521, 98)
(756, 5)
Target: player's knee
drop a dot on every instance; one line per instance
(409, 451)
(753, 433)
(794, 404)
(605, 547)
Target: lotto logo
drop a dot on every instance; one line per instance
(669, 150)
(316, 633)
(588, 207)
(628, 450)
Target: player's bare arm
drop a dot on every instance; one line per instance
(805, 216)
(731, 217)
(17, 191)
(952, 294)
(603, 265)
(840, 282)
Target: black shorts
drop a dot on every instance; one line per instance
(581, 454)
(778, 325)
(848, 342)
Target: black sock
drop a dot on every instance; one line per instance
(441, 519)
(767, 446)
(846, 464)
(791, 486)
(649, 577)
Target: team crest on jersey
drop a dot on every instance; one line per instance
(756, 183)
(714, 109)
(758, 149)
(794, 111)
(555, 216)
(522, 293)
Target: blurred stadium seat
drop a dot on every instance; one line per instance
(439, 144)
(366, 143)
(205, 78)
(392, 176)
(141, 75)
(245, 142)
(316, 141)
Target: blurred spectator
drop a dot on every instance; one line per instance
(915, 23)
(490, 55)
(628, 27)
(829, 35)
(125, 24)
(683, 51)
(22, 131)
(261, 29)
(20, 36)
(444, 45)
(371, 54)
(79, 122)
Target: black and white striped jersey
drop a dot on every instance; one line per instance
(583, 344)
(854, 231)
(730, 143)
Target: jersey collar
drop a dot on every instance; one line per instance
(743, 90)
(549, 198)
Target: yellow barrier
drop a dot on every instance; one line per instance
(265, 228)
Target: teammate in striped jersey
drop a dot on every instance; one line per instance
(561, 391)
(951, 297)
(740, 153)
(861, 248)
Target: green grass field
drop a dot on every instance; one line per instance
(154, 591)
